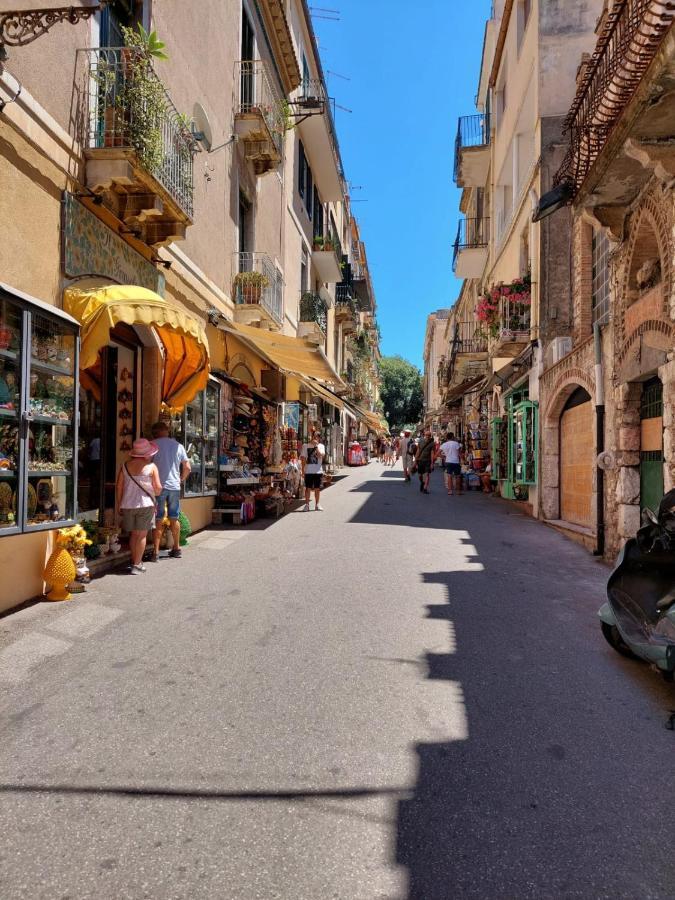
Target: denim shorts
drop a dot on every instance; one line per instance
(453, 468)
(170, 500)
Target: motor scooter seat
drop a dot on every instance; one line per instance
(666, 601)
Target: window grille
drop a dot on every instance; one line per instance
(600, 278)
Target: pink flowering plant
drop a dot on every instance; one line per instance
(518, 295)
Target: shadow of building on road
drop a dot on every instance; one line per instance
(545, 783)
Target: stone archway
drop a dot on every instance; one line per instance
(568, 383)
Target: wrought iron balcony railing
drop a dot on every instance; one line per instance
(344, 293)
(257, 96)
(472, 131)
(628, 42)
(468, 338)
(258, 282)
(128, 107)
(314, 309)
(472, 234)
(513, 320)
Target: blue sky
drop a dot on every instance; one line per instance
(413, 69)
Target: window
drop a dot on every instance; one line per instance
(318, 215)
(302, 170)
(303, 271)
(600, 277)
(305, 180)
(38, 425)
(522, 18)
(309, 192)
(197, 428)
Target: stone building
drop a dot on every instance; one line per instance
(186, 220)
(608, 406)
(434, 353)
(514, 305)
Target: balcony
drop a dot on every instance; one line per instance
(258, 291)
(629, 41)
(512, 328)
(346, 313)
(138, 149)
(469, 340)
(259, 119)
(471, 248)
(313, 318)
(363, 286)
(312, 107)
(472, 151)
(327, 256)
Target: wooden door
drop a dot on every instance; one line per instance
(577, 459)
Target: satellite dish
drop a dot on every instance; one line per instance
(201, 127)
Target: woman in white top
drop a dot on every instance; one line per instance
(136, 490)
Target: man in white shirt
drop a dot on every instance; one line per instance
(312, 455)
(452, 453)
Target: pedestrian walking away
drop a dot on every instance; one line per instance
(408, 449)
(452, 453)
(424, 459)
(173, 467)
(136, 492)
(312, 456)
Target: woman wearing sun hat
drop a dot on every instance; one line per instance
(136, 490)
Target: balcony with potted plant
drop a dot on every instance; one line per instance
(327, 256)
(138, 148)
(503, 315)
(257, 291)
(313, 318)
(261, 116)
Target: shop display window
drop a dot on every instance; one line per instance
(38, 427)
(525, 443)
(197, 428)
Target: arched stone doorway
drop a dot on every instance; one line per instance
(568, 461)
(577, 459)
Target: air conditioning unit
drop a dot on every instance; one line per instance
(557, 349)
(274, 383)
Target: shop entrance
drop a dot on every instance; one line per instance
(651, 444)
(577, 459)
(109, 422)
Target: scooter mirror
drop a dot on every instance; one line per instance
(649, 517)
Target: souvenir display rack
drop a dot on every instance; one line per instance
(38, 386)
(197, 429)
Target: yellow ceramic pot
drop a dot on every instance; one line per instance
(59, 572)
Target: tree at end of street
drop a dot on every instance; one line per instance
(401, 391)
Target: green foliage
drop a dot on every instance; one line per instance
(147, 43)
(185, 529)
(401, 391)
(254, 279)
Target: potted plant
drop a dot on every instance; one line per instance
(249, 286)
(319, 243)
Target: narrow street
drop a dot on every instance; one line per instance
(411, 717)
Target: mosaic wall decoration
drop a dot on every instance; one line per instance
(90, 248)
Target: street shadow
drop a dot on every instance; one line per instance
(391, 500)
(529, 796)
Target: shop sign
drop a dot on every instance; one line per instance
(91, 249)
(292, 415)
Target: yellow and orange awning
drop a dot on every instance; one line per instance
(186, 362)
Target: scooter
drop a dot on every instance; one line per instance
(638, 619)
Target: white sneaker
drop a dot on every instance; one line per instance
(319, 508)
(305, 508)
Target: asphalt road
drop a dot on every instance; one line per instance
(404, 696)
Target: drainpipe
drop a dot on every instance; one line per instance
(600, 442)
